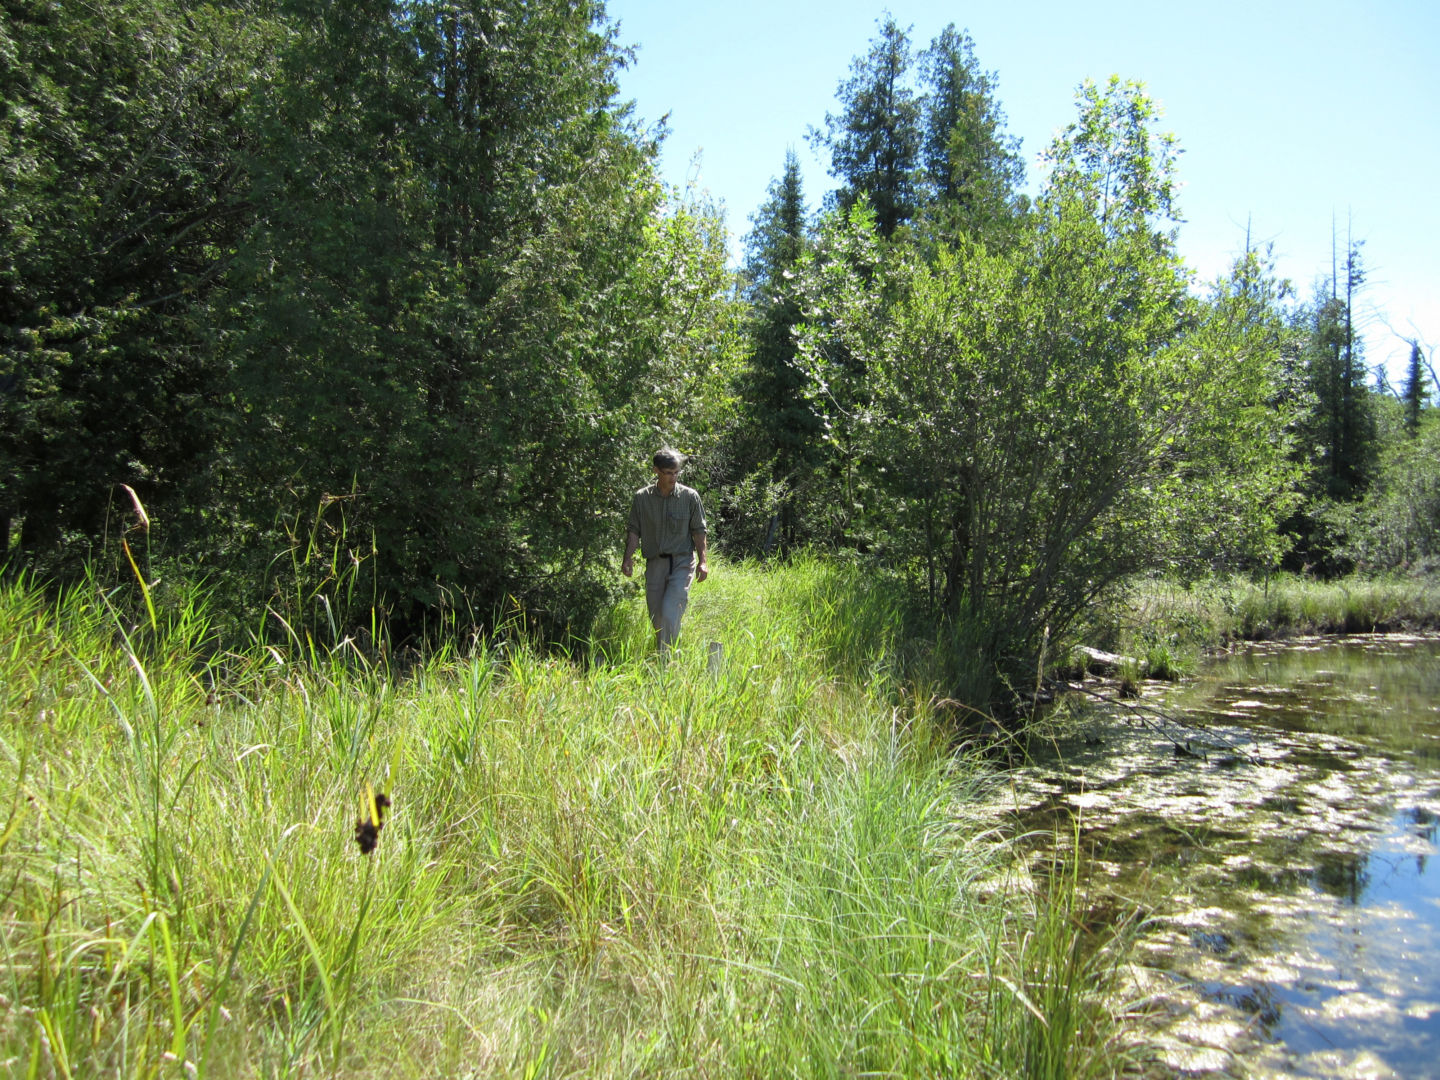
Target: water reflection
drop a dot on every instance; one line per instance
(1343, 875)
(1292, 843)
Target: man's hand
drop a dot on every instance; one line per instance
(627, 561)
(702, 564)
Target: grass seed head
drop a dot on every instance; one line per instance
(370, 822)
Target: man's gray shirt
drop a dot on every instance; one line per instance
(664, 522)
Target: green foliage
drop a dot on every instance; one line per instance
(692, 335)
(776, 445)
(933, 155)
(835, 273)
(874, 143)
(973, 170)
(1337, 437)
(1397, 523)
(406, 262)
(1116, 161)
(1417, 389)
(777, 237)
(427, 319)
(122, 199)
(752, 509)
(380, 309)
(1340, 433)
(1047, 420)
(1189, 619)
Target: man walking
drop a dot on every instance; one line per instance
(667, 523)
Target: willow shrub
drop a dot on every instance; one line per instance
(1034, 425)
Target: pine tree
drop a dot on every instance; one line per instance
(972, 168)
(875, 142)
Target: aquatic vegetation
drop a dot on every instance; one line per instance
(1286, 858)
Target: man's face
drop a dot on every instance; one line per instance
(665, 480)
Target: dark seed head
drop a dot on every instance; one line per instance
(367, 835)
(367, 832)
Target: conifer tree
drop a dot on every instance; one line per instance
(786, 428)
(1342, 427)
(874, 143)
(972, 168)
(122, 201)
(777, 238)
(463, 280)
(1416, 389)
(1337, 444)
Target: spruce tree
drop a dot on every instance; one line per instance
(1342, 428)
(1415, 389)
(1337, 444)
(777, 237)
(786, 428)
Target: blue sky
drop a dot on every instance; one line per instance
(1290, 115)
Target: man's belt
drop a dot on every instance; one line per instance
(670, 558)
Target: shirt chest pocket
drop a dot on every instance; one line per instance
(675, 517)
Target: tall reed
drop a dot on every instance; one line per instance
(1168, 624)
(610, 868)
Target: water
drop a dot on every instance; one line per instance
(1280, 841)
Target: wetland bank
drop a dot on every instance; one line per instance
(1275, 821)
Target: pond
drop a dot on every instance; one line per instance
(1276, 819)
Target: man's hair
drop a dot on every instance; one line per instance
(668, 459)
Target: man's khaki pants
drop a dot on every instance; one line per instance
(667, 591)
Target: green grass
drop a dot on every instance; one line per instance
(590, 869)
(1287, 605)
(1165, 627)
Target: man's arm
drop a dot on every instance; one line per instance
(702, 569)
(627, 564)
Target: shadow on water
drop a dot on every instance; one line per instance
(1288, 859)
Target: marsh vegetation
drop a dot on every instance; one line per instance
(588, 869)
